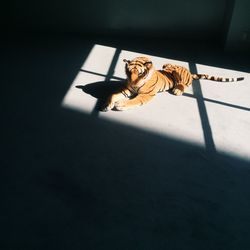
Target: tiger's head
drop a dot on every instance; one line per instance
(138, 71)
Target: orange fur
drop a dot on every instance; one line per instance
(144, 82)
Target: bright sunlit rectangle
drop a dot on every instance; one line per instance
(169, 115)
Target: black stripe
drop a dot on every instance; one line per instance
(136, 63)
(240, 78)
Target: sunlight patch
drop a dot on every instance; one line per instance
(181, 117)
(93, 70)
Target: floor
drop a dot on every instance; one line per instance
(173, 174)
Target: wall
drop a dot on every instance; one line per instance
(180, 18)
(224, 21)
(238, 37)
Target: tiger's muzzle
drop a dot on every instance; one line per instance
(134, 75)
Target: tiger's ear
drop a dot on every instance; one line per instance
(148, 64)
(126, 61)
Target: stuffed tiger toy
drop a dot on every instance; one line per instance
(144, 82)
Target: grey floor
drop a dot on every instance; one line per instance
(173, 174)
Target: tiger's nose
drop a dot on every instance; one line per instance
(134, 70)
(134, 75)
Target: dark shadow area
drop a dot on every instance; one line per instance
(207, 132)
(69, 180)
(101, 91)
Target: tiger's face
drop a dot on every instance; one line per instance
(138, 71)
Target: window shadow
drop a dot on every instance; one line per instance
(207, 131)
(109, 75)
(219, 102)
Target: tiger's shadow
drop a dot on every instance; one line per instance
(101, 90)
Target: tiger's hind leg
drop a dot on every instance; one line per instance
(183, 79)
(178, 89)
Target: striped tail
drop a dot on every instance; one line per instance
(217, 78)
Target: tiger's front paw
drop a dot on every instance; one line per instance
(107, 106)
(121, 106)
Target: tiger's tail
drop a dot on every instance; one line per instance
(217, 78)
